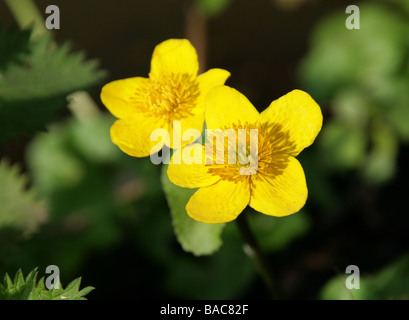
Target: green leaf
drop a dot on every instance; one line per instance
(274, 233)
(53, 165)
(31, 93)
(92, 138)
(215, 271)
(20, 289)
(13, 43)
(381, 162)
(56, 158)
(340, 57)
(19, 207)
(392, 282)
(29, 289)
(351, 107)
(402, 3)
(342, 146)
(49, 70)
(394, 97)
(195, 237)
(27, 116)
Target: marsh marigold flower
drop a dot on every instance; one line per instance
(173, 92)
(276, 185)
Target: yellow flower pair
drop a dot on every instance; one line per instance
(174, 92)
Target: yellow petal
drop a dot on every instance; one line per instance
(298, 115)
(281, 194)
(133, 135)
(174, 56)
(191, 126)
(186, 130)
(226, 106)
(209, 80)
(117, 96)
(219, 203)
(187, 168)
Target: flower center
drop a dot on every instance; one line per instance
(248, 150)
(171, 96)
(232, 153)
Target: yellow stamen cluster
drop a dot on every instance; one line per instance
(275, 148)
(228, 152)
(265, 150)
(171, 96)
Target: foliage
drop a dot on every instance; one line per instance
(13, 45)
(19, 207)
(94, 205)
(30, 289)
(35, 80)
(361, 79)
(364, 77)
(194, 236)
(390, 283)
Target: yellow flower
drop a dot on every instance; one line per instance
(173, 92)
(276, 185)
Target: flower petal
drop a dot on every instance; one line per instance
(133, 135)
(174, 56)
(187, 168)
(192, 125)
(186, 130)
(282, 194)
(209, 80)
(117, 96)
(226, 106)
(219, 203)
(298, 115)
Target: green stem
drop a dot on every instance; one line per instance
(27, 14)
(254, 251)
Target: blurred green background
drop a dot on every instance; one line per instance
(69, 197)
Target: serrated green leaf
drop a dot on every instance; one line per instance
(7, 280)
(28, 289)
(19, 207)
(195, 237)
(31, 93)
(27, 116)
(13, 44)
(18, 278)
(49, 71)
(20, 289)
(85, 291)
(74, 285)
(41, 284)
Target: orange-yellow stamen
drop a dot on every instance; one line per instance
(236, 159)
(171, 96)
